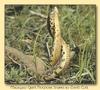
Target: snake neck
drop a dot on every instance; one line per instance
(53, 23)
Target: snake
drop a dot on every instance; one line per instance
(60, 54)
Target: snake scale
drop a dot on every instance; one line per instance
(61, 52)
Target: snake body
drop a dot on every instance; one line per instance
(61, 51)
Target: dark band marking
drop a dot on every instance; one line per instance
(60, 67)
(56, 72)
(63, 53)
(61, 47)
(52, 55)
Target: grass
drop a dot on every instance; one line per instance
(78, 26)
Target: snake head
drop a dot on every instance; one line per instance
(55, 10)
(53, 22)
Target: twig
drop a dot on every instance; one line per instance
(48, 49)
(37, 14)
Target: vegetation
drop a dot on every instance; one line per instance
(26, 30)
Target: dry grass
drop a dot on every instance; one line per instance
(29, 34)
